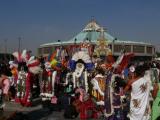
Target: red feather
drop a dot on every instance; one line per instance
(124, 63)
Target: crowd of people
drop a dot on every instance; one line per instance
(86, 85)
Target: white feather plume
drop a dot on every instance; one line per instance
(17, 56)
(24, 55)
(82, 55)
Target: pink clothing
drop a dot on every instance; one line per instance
(6, 86)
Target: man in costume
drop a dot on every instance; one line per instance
(98, 83)
(29, 66)
(33, 65)
(80, 64)
(140, 90)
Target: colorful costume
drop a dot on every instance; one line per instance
(25, 79)
(98, 88)
(139, 105)
(46, 84)
(20, 86)
(80, 64)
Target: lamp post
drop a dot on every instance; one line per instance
(74, 46)
(75, 40)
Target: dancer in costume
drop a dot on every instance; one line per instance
(33, 65)
(139, 104)
(85, 105)
(54, 65)
(20, 85)
(22, 75)
(80, 64)
(13, 78)
(29, 66)
(48, 80)
(98, 83)
(116, 70)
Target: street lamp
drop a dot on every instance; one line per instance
(75, 41)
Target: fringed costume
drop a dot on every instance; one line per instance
(98, 88)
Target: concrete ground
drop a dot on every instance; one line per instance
(37, 112)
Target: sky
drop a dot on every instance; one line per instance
(37, 22)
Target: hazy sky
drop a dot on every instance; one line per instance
(42, 21)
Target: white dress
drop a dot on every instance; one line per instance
(139, 105)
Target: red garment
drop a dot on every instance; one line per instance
(26, 101)
(85, 108)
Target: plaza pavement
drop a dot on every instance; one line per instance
(37, 112)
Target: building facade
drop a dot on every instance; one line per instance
(92, 32)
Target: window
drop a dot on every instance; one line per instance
(47, 50)
(149, 50)
(138, 49)
(40, 51)
(128, 48)
(118, 48)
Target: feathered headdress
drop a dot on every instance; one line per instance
(52, 62)
(22, 57)
(33, 65)
(81, 56)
